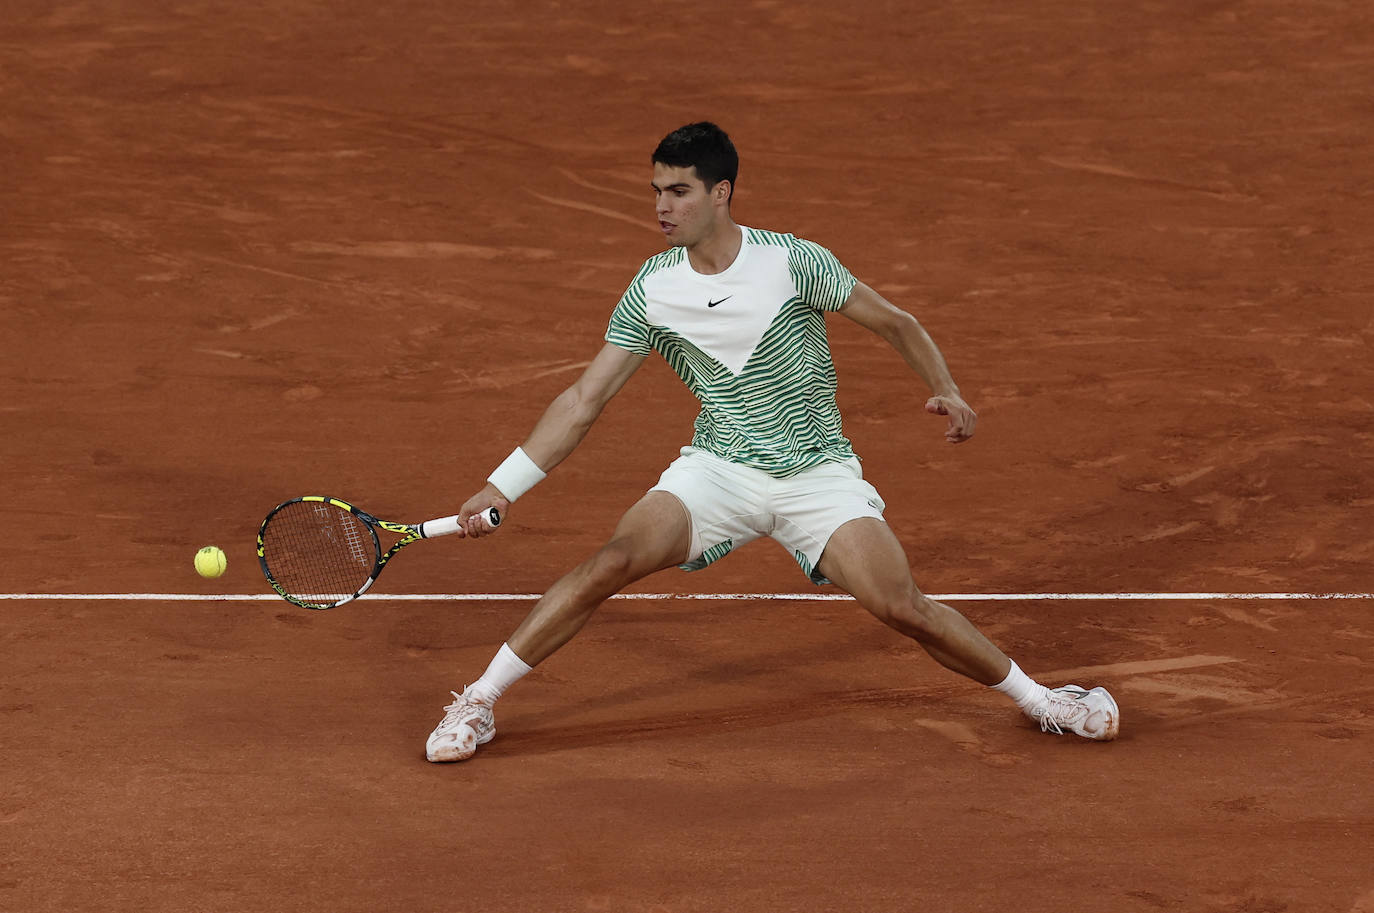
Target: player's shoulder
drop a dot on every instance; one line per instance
(802, 254)
(765, 238)
(794, 245)
(667, 259)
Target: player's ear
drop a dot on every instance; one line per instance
(721, 192)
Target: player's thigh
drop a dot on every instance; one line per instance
(652, 535)
(864, 558)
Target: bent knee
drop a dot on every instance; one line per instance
(612, 562)
(619, 562)
(907, 611)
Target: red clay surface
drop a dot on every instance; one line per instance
(258, 250)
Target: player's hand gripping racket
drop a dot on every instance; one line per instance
(322, 552)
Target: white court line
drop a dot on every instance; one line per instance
(783, 597)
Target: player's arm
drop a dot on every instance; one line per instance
(558, 432)
(905, 334)
(570, 416)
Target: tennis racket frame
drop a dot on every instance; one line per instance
(408, 532)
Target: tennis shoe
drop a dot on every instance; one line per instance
(467, 723)
(1093, 714)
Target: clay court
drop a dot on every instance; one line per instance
(253, 251)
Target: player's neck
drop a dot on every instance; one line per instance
(715, 252)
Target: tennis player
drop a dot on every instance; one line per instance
(739, 314)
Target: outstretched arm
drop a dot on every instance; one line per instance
(569, 417)
(563, 425)
(905, 334)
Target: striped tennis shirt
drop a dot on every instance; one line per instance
(750, 343)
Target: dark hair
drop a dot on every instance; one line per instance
(702, 146)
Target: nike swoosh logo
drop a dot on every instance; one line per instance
(711, 304)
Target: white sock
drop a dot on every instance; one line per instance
(505, 670)
(1021, 688)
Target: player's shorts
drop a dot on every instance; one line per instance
(731, 505)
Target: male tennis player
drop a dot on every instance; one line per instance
(739, 314)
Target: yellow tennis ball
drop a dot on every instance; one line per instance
(210, 561)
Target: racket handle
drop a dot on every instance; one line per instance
(446, 526)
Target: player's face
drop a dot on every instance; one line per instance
(687, 210)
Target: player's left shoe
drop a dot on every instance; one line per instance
(1093, 714)
(467, 723)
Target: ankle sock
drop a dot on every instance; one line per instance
(1021, 688)
(505, 670)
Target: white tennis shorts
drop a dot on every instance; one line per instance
(730, 505)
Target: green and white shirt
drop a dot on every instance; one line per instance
(750, 343)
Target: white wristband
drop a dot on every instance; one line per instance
(517, 475)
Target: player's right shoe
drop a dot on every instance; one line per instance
(467, 723)
(1092, 714)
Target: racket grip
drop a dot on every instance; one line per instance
(446, 526)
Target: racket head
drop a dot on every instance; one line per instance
(319, 552)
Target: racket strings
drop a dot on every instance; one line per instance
(318, 552)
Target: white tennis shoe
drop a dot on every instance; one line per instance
(1091, 714)
(467, 723)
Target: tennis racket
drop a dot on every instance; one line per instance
(320, 552)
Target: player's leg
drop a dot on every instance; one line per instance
(865, 559)
(652, 535)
